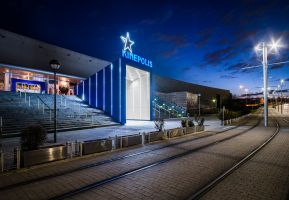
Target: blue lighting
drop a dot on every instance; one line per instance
(136, 58)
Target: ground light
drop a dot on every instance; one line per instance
(263, 47)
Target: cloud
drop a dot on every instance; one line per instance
(175, 41)
(204, 37)
(169, 53)
(164, 17)
(218, 56)
(228, 76)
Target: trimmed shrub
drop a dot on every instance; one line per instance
(184, 123)
(159, 124)
(191, 123)
(32, 137)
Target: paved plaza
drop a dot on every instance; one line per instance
(173, 169)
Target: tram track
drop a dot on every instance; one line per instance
(146, 167)
(107, 161)
(210, 185)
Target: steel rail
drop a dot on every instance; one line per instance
(206, 188)
(12, 186)
(145, 167)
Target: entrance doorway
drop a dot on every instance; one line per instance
(137, 94)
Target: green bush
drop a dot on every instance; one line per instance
(159, 124)
(191, 123)
(184, 123)
(32, 137)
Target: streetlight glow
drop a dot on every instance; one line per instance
(275, 44)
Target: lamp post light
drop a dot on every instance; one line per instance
(55, 65)
(263, 47)
(246, 92)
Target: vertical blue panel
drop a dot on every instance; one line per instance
(80, 89)
(123, 92)
(116, 91)
(100, 89)
(107, 89)
(93, 90)
(86, 90)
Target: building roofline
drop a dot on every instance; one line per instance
(39, 71)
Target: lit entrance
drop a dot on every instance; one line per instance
(137, 94)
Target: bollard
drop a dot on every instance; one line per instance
(43, 109)
(1, 126)
(2, 161)
(114, 142)
(149, 137)
(142, 138)
(29, 101)
(121, 142)
(80, 148)
(17, 157)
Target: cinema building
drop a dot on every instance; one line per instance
(124, 89)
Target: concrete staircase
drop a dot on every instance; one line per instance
(19, 110)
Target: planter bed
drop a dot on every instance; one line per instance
(43, 155)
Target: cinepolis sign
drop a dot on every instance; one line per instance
(127, 52)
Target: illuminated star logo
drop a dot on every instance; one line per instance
(127, 42)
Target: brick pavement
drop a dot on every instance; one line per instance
(265, 176)
(65, 183)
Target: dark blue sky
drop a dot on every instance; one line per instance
(204, 42)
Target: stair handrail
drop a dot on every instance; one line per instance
(44, 103)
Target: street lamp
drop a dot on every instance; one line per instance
(55, 65)
(246, 91)
(264, 48)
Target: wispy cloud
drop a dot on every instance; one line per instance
(228, 76)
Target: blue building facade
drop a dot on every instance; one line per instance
(107, 90)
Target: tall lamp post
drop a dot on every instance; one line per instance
(263, 47)
(246, 92)
(55, 65)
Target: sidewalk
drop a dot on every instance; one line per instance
(131, 127)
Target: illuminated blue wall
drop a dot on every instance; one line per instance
(106, 89)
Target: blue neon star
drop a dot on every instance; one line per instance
(127, 42)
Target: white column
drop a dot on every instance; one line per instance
(6, 81)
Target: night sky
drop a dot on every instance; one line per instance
(203, 42)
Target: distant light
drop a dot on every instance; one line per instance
(241, 86)
(282, 81)
(246, 90)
